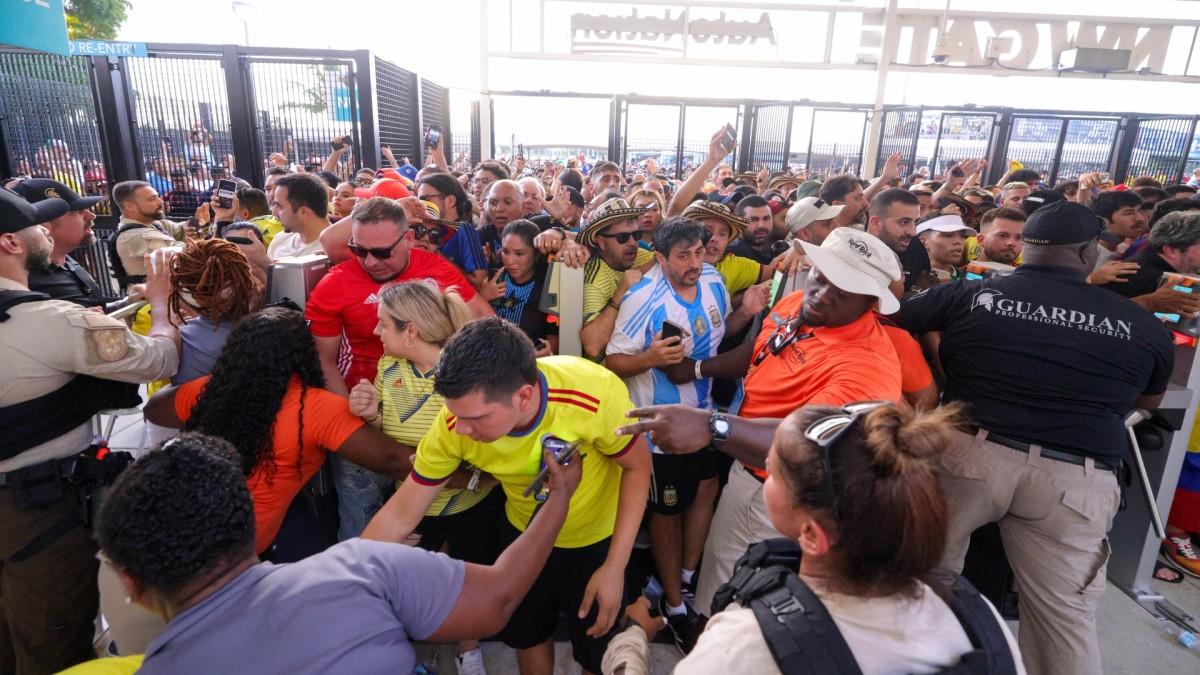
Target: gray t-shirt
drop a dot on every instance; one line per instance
(350, 609)
(201, 347)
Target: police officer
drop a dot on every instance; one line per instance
(1048, 367)
(65, 279)
(59, 364)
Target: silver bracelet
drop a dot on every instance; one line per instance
(698, 375)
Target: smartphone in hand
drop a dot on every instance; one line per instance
(730, 138)
(226, 189)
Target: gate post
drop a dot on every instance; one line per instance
(123, 159)
(240, 92)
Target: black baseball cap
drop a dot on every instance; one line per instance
(575, 197)
(16, 214)
(1063, 223)
(37, 190)
(1039, 198)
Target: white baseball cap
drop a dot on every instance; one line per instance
(856, 262)
(946, 223)
(806, 210)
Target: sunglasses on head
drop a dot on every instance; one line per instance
(826, 432)
(433, 235)
(621, 237)
(377, 253)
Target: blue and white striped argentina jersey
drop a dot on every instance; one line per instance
(643, 310)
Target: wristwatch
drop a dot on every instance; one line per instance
(718, 425)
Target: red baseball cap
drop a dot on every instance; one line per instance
(383, 187)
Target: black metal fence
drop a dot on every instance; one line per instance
(187, 113)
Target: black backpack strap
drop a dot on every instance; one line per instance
(766, 553)
(798, 629)
(114, 258)
(991, 653)
(10, 299)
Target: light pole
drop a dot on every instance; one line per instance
(237, 6)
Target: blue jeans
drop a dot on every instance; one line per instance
(361, 493)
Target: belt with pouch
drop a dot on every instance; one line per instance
(1047, 452)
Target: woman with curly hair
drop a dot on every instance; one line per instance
(212, 288)
(266, 396)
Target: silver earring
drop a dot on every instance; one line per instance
(128, 600)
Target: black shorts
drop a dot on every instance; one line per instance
(676, 479)
(471, 536)
(560, 588)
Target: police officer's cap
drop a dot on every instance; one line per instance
(37, 190)
(17, 214)
(1063, 223)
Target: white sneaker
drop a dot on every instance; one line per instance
(470, 663)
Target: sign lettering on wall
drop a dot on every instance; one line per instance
(814, 35)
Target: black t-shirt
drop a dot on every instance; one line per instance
(740, 248)
(914, 261)
(1041, 356)
(1145, 280)
(68, 282)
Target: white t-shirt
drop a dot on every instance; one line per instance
(893, 635)
(290, 245)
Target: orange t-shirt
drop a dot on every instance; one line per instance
(328, 422)
(914, 369)
(828, 366)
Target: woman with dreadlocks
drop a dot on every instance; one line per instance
(266, 396)
(212, 288)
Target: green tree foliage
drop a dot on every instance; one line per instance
(95, 19)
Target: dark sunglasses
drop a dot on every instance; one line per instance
(785, 334)
(825, 434)
(433, 235)
(621, 237)
(377, 253)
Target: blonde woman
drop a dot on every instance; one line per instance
(415, 320)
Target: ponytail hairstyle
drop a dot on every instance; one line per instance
(892, 515)
(437, 314)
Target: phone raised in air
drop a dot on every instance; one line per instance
(226, 189)
(432, 136)
(730, 138)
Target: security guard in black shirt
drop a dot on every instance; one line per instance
(1048, 367)
(64, 278)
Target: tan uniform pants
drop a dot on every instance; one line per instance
(1054, 518)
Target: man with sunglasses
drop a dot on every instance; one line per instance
(1049, 430)
(612, 233)
(462, 245)
(343, 310)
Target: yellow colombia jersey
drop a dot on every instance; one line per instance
(740, 273)
(600, 282)
(580, 400)
(409, 408)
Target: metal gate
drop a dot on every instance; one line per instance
(771, 134)
(48, 120)
(835, 141)
(674, 134)
(1161, 148)
(948, 137)
(180, 116)
(899, 132)
(1062, 147)
(435, 110)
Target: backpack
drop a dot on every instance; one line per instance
(114, 258)
(803, 637)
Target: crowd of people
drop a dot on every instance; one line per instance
(861, 372)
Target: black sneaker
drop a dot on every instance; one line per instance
(685, 628)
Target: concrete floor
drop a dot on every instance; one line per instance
(1131, 641)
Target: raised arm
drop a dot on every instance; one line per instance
(685, 193)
